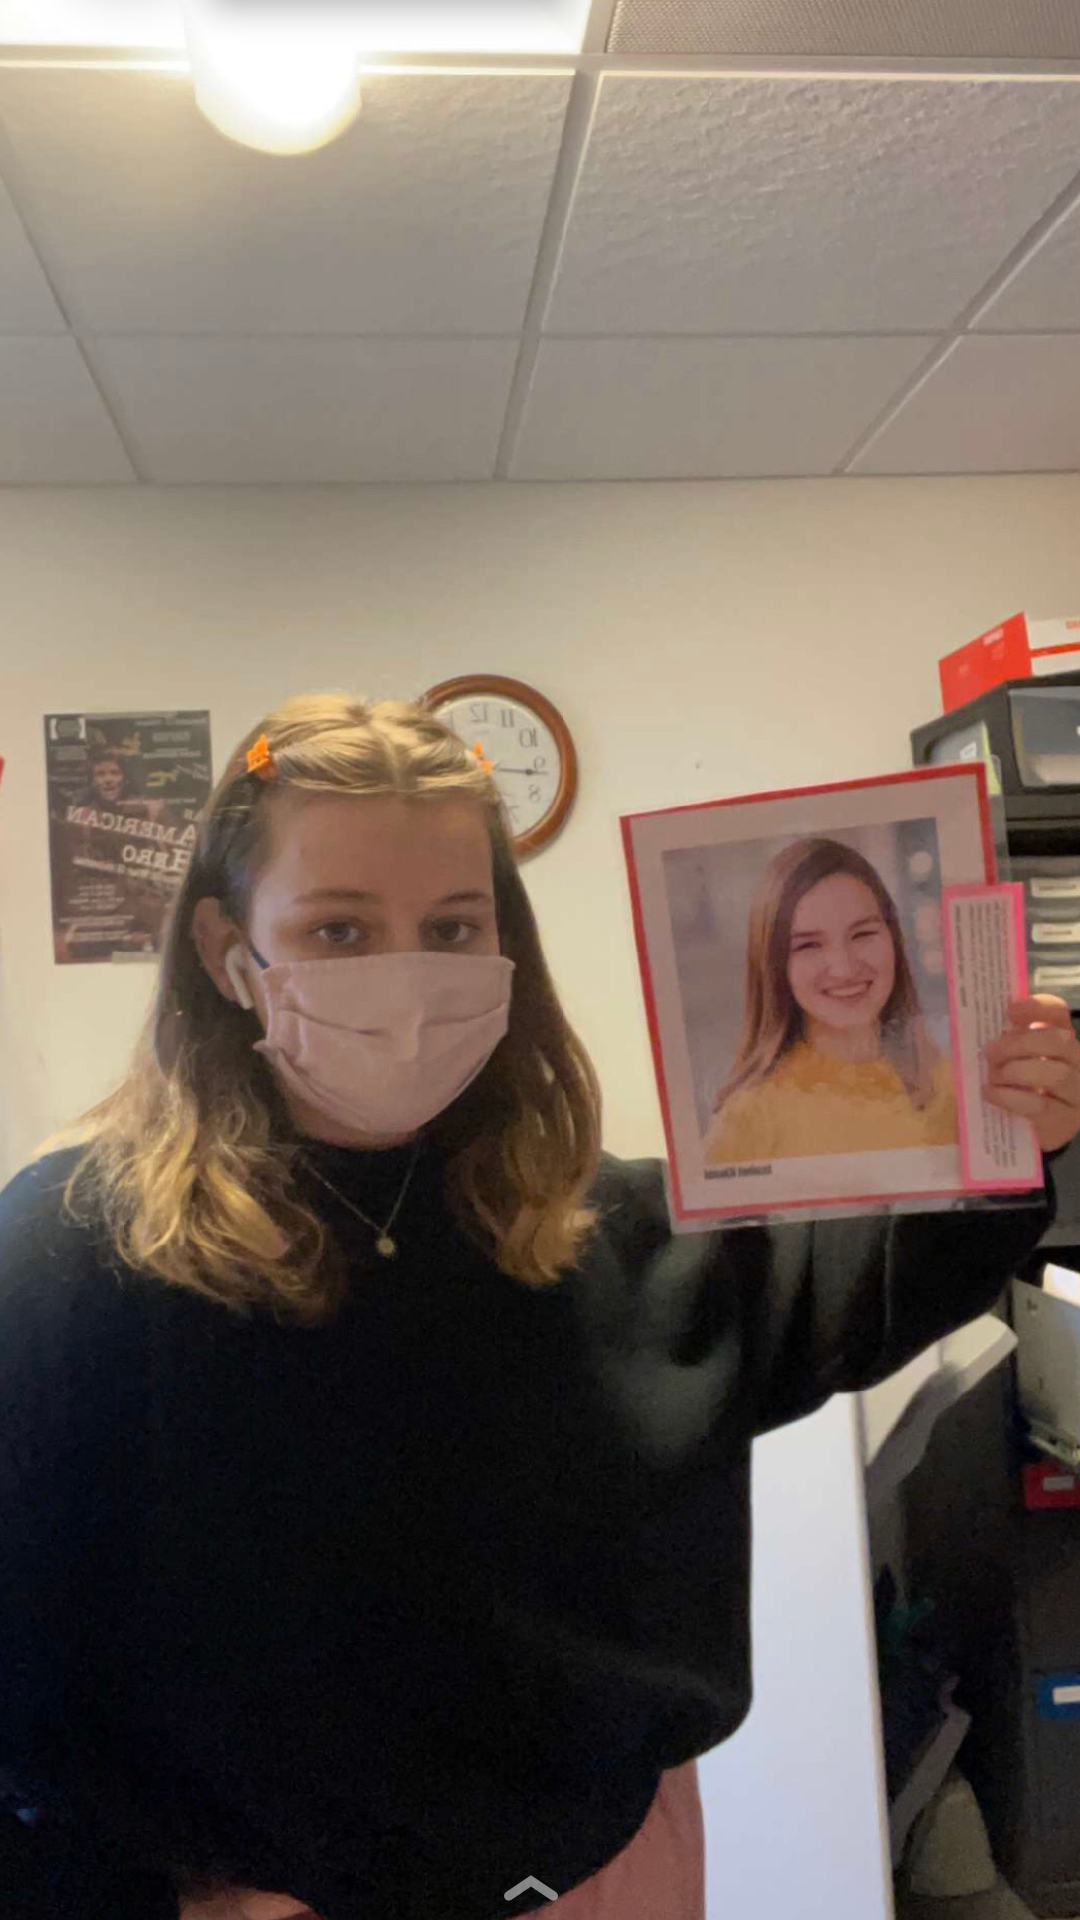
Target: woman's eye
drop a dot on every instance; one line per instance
(453, 933)
(805, 946)
(339, 933)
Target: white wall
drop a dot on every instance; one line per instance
(701, 640)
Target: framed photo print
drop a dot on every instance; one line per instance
(821, 969)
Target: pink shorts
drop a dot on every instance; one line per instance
(659, 1875)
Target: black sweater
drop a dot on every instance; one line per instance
(393, 1613)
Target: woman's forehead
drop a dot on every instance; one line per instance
(381, 844)
(838, 893)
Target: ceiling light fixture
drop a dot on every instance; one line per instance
(280, 78)
(374, 26)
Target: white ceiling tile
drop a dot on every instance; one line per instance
(54, 428)
(752, 204)
(997, 404)
(1044, 291)
(848, 29)
(311, 410)
(699, 409)
(391, 26)
(26, 301)
(424, 218)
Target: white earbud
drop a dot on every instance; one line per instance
(234, 967)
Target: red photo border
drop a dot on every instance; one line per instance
(917, 775)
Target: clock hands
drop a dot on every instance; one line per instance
(495, 766)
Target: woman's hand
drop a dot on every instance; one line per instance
(1034, 1069)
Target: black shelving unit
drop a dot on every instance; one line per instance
(1031, 729)
(1005, 1581)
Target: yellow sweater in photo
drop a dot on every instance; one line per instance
(814, 1104)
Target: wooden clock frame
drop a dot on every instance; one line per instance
(477, 686)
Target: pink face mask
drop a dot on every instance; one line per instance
(381, 1043)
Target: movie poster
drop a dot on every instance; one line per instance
(124, 791)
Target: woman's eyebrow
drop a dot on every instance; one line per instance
(469, 897)
(334, 893)
(815, 933)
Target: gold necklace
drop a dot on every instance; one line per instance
(385, 1244)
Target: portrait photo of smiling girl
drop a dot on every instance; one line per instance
(835, 1054)
(794, 950)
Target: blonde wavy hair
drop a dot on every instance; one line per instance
(189, 1164)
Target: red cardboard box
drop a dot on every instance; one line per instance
(1016, 650)
(1047, 1484)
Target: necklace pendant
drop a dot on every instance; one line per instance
(386, 1247)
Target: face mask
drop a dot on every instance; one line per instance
(381, 1043)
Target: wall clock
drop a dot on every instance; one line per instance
(526, 742)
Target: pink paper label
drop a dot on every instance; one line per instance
(987, 965)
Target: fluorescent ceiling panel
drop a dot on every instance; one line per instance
(382, 26)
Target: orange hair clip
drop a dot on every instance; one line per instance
(481, 756)
(260, 760)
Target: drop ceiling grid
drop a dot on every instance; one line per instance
(620, 389)
(805, 205)
(26, 299)
(998, 403)
(474, 267)
(424, 218)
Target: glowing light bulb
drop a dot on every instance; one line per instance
(272, 78)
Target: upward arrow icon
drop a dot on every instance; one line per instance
(530, 1886)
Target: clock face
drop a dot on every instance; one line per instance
(524, 754)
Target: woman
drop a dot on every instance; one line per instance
(366, 1439)
(834, 1057)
